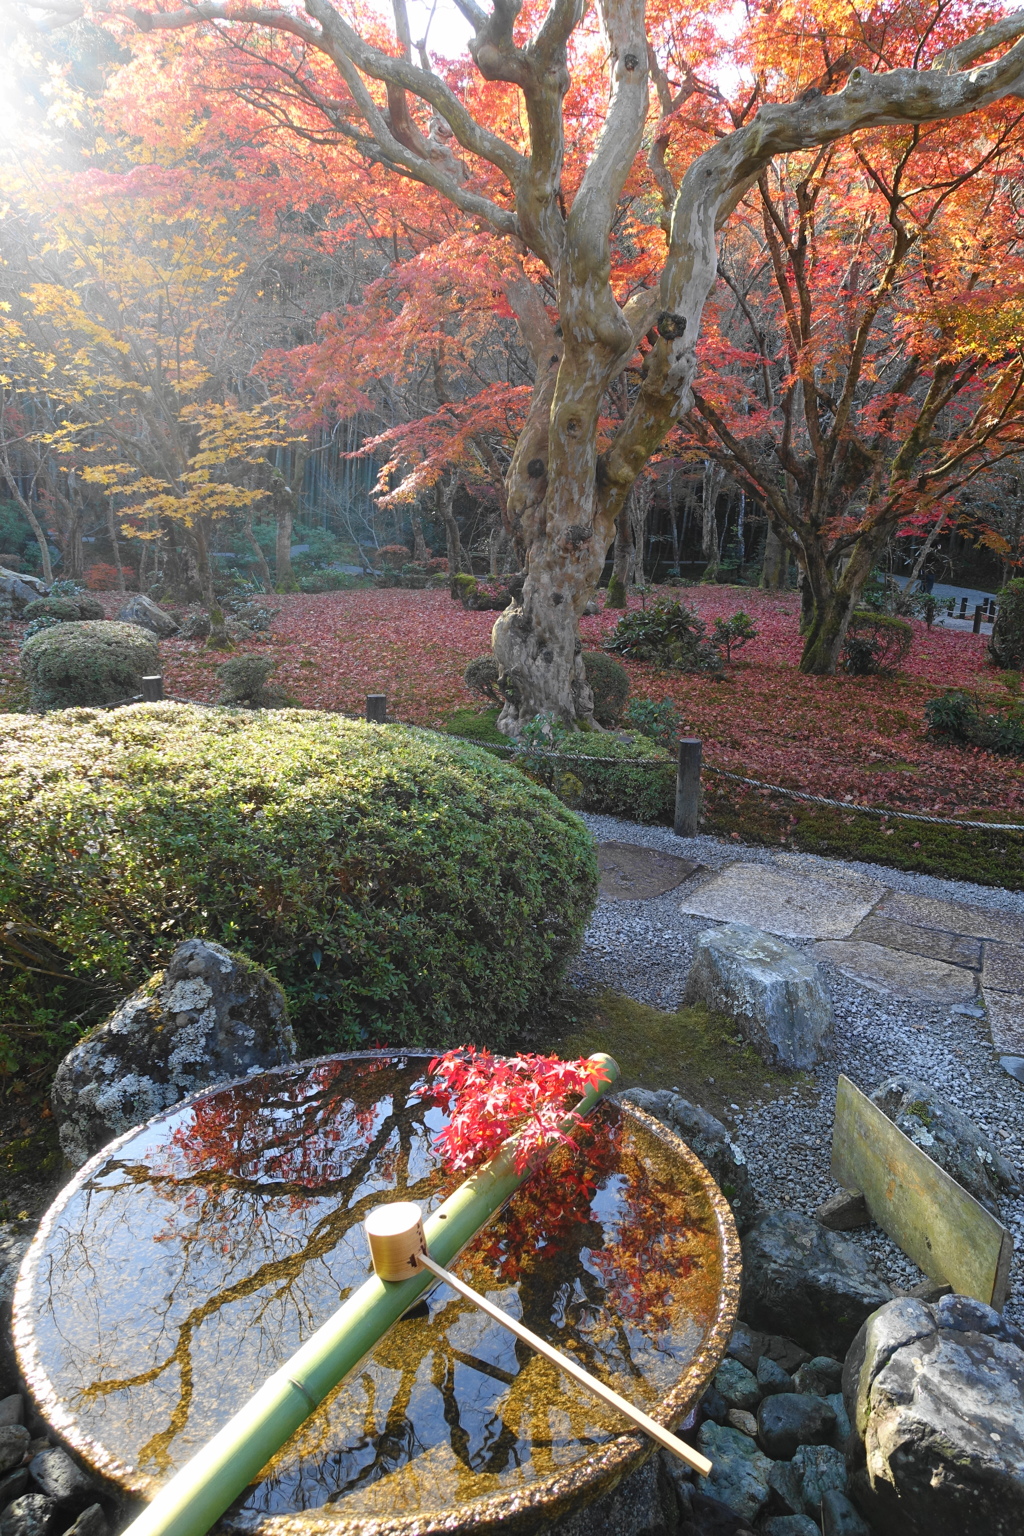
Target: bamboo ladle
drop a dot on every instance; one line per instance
(398, 1249)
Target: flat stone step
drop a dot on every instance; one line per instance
(632, 873)
(788, 903)
(899, 973)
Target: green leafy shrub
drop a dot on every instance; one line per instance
(92, 662)
(661, 722)
(957, 716)
(613, 775)
(43, 621)
(326, 581)
(668, 635)
(733, 634)
(609, 683)
(481, 678)
(64, 609)
(1006, 647)
(400, 886)
(243, 681)
(876, 643)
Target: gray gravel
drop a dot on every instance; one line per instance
(643, 949)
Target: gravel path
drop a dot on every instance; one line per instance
(643, 948)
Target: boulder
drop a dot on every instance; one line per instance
(792, 1419)
(817, 1285)
(841, 1518)
(736, 1384)
(141, 610)
(710, 1140)
(55, 1474)
(14, 1440)
(21, 589)
(949, 1137)
(935, 1393)
(771, 1378)
(210, 1017)
(821, 1375)
(31, 1515)
(775, 994)
(819, 1468)
(739, 1472)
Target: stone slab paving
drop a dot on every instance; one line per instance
(900, 972)
(952, 917)
(630, 873)
(787, 902)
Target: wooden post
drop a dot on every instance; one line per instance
(978, 611)
(152, 689)
(963, 608)
(377, 707)
(688, 788)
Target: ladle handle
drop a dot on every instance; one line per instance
(566, 1363)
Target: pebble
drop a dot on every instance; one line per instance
(643, 949)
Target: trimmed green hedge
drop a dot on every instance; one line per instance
(400, 886)
(95, 662)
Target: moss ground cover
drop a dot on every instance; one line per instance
(400, 886)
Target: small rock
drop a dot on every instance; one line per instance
(91, 1522)
(710, 1517)
(14, 1442)
(784, 1487)
(949, 1137)
(737, 1386)
(820, 1467)
(746, 1346)
(745, 1422)
(211, 1016)
(710, 1140)
(12, 1486)
(840, 1518)
(196, 627)
(714, 1406)
(56, 1475)
(791, 1419)
(12, 1410)
(790, 1525)
(775, 994)
(821, 1376)
(15, 1238)
(142, 610)
(816, 1284)
(771, 1378)
(31, 1515)
(739, 1473)
(844, 1211)
(930, 1290)
(784, 1352)
(837, 1403)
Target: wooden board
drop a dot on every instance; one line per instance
(946, 1232)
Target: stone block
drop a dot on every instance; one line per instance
(1003, 968)
(774, 993)
(931, 943)
(1006, 1022)
(631, 873)
(789, 903)
(952, 917)
(898, 974)
(844, 1212)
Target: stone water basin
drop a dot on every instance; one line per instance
(191, 1258)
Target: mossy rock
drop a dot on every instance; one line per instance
(400, 887)
(87, 663)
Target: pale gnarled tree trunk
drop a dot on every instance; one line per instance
(563, 496)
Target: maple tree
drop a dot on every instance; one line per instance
(596, 289)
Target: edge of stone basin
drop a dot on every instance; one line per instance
(514, 1514)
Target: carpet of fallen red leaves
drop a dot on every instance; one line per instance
(861, 739)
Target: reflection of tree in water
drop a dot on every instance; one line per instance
(342, 1128)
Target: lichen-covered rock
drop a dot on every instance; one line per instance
(21, 589)
(949, 1137)
(211, 1016)
(737, 1385)
(142, 610)
(773, 991)
(936, 1397)
(739, 1471)
(816, 1285)
(710, 1140)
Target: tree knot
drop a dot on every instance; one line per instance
(535, 468)
(671, 326)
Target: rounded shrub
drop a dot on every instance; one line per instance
(481, 677)
(401, 887)
(94, 662)
(243, 680)
(1006, 646)
(876, 643)
(609, 683)
(67, 609)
